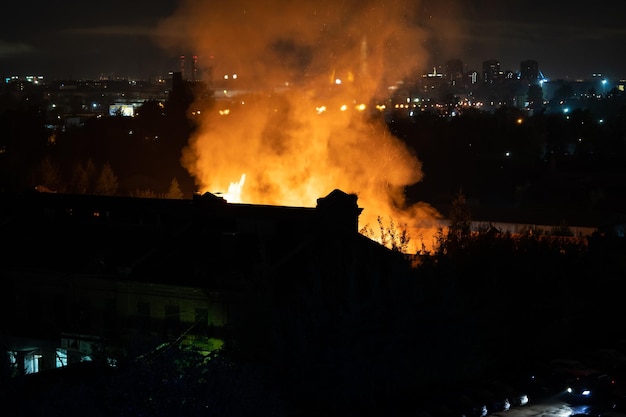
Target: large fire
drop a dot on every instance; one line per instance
(298, 119)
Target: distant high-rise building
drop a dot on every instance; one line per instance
(491, 70)
(454, 69)
(529, 70)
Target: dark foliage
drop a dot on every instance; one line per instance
(172, 381)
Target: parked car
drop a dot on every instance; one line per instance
(568, 373)
(515, 396)
(484, 399)
(470, 405)
(572, 368)
(607, 360)
(455, 400)
(591, 389)
(536, 379)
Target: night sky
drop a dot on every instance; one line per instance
(77, 39)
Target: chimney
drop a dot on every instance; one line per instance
(339, 212)
(194, 68)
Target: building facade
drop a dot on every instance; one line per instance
(110, 278)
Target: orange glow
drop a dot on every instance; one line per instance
(296, 139)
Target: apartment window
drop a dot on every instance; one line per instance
(31, 362)
(61, 358)
(12, 359)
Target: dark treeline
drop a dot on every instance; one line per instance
(141, 153)
(503, 157)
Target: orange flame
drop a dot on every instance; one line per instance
(234, 190)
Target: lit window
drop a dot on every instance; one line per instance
(61, 358)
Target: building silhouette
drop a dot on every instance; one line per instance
(95, 277)
(491, 70)
(529, 70)
(454, 69)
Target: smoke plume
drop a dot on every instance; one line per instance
(297, 83)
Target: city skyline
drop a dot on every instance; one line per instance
(145, 40)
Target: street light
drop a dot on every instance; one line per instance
(604, 87)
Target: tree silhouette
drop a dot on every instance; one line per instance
(563, 93)
(397, 239)
(459, 230)
(50, 175)
(174, 191)
(460, 216)
(107, 182)
(83, 177)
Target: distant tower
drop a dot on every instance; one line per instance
(491, 70)
(177, 83)
(364, 49)
(454, 69)
(182, 66)
(194, 68)
(529, 70)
